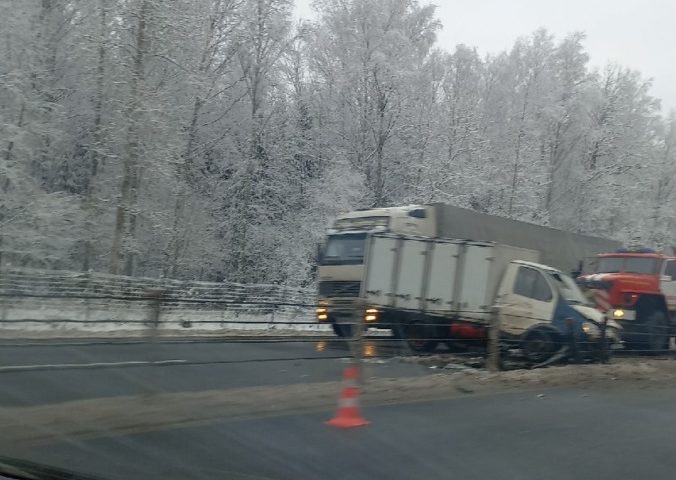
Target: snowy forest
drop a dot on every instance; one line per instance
(216, 139)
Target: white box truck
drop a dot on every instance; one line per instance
(430, 289)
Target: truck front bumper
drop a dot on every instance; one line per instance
(372, 317)
(620, 314)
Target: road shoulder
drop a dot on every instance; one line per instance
(142, 413)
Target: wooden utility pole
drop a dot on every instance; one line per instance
(493, 360)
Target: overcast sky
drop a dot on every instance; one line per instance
(640, 34)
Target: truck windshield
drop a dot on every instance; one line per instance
(568, 288)
(642, 265)
(344, 249)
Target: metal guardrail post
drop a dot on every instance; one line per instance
(574, 342)
(604, 357)
(155, 297)
(3, 299)
(493, 361)
(358, 337)
(88, 292)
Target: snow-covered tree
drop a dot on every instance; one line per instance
(214, 139)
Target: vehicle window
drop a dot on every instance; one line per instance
(647, 266)
(610, 265)
(541, 289)
(344, 249)
(568, 288)
(524, 281)
(671, 269)
(530, 283)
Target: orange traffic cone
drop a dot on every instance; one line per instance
(348, 414)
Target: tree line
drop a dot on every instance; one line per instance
(215, 139)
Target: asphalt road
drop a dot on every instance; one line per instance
(43, 374)
(557, 434)
(563, 434)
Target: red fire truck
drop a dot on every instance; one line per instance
(637, 288)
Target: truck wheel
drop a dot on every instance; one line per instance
(343, 330)
(656, 333)
(419, 337)
(539, 345)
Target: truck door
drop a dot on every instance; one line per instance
(668, 283)
(526, 299)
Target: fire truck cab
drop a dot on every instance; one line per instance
(637, 288)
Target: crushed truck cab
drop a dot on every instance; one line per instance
(538, 303)
(431, 290)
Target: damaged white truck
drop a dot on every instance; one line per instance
(433, 290)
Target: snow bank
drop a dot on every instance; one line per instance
(66, 317)
(65, 304)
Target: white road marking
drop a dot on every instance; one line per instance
(49, 366)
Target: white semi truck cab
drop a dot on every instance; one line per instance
(341, 262)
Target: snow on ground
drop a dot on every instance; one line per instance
(44, 318)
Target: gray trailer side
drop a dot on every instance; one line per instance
(558, 248)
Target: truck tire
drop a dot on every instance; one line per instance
(655, 333)
(343, 330)
(539, 345)
(419, 337)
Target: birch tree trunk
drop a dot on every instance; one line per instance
(125, 216)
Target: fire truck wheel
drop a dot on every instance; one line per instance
(656, 333)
